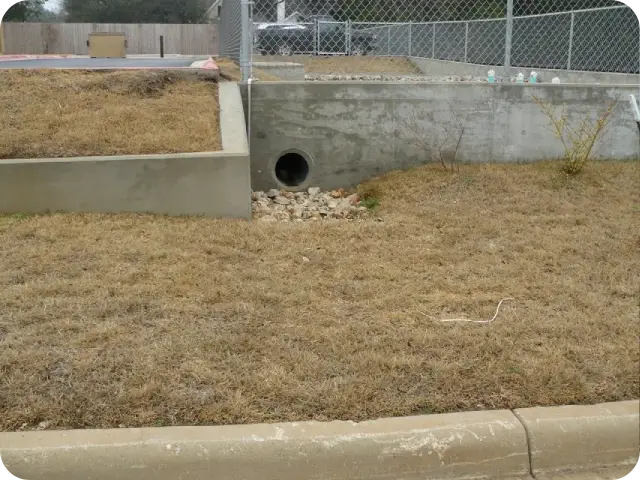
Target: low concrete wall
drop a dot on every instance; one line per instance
(355, 130)
(215, 184)
(444, 67)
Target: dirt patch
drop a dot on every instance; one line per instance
(67, 113)
(345, 65)
(137, 320)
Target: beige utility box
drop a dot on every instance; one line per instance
(107, 45)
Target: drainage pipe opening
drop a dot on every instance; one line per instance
(292, 169)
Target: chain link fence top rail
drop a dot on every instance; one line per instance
(589, 35)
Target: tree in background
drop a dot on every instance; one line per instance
(26, 11)
(134, 11)
(48, 16)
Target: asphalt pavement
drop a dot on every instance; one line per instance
(98, 63)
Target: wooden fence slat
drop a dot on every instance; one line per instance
(71, 38)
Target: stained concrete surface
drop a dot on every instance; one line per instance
(614, 473)
(601, 435)
(456, 445)
(353, 131)
(98, 63)
(463, 445)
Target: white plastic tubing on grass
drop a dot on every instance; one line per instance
(469, 320)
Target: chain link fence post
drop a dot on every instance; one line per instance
(389, 41)
(466, 41)
(433, 41)
(573, 20)
(508, 40)
(246, 40)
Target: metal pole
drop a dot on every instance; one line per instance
(245, 40)
(161, 46)
(389, 41)
(410, 39)
(573, 17)
(508, 40)
(347, 40)
(433, 41)
(466, 40)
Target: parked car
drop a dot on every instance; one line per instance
(320, 38)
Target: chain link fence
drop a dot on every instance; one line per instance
(589, 35)
(230, 29)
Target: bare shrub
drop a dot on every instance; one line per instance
(578, 138)
(440, 141)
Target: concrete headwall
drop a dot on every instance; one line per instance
(353, 131)
(215, 184)
(433, 67)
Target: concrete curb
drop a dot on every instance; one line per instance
(598, 435)
(491, 444)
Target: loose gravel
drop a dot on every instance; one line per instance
(311, 205)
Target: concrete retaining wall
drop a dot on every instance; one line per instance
(215, 184)
(353, 131)
(444, 67)
(469, 445)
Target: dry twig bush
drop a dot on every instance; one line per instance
(578, 140)
(438, 139)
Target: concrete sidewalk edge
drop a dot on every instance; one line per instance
(582, 436)
(485, 444)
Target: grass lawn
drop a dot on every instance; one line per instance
(138, 320)
(66, 113)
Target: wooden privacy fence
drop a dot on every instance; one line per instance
(142, 38)
(1, 39)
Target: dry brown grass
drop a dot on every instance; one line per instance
(141, 320)
(66, 113)
(364, 64)
(230, 71)
(346, 65)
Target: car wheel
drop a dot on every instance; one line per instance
(358, 50)
(285, 50)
